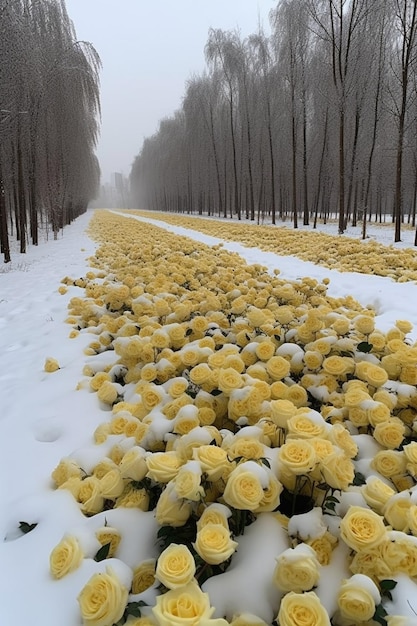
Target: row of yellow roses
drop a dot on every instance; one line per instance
(345, 254)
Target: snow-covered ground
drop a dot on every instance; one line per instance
(44, 418)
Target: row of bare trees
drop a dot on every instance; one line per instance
(49, 104)
(317, 120)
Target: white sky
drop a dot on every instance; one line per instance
(149, 48)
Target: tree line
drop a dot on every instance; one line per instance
(49, 108)
(316, 120)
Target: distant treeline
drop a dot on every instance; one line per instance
(49, 101)
(317, 120)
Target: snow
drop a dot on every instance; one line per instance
(45, 418)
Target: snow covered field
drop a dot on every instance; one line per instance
(45, 418)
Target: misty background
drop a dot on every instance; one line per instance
(149, 49)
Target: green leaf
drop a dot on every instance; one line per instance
(388, 585)
(215, 392)
(26, 528)
(359, 479)
(380, 615)
(133, 608)
(103, 552)
(266, 462)
(364, 346)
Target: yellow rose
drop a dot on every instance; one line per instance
(214, 544)
(187, 482)
(163, 466)
(335, 365)
(186, 606)
(358, 598)
(323, 547)
(412, 519)
(297, 395)
(377, 412)
(390, 434)
(305, 426)
(362, 529)
(375, 375)
(246, 447)
(103, 599)
(302, 609)
(112, 484)
(282, 411)
(51, 365)
(151, 396)
(175, 567)
(297, 569)
(107, 393)
(186, 419)
(171, 510)
(213, 461)
(65, 557)
(271, 497)
(338, 470)
(229, 379)
(404, 326)
(244, 489)
(108, 535)
(340, 436)
(67, 468)
(177, 386)
(133, 498)
(399, 552)
(215, 513)
(364, 324)
(90, 496)
(396, 510)
(143, 576)
(278, 367)
(297, 456)
(133, 464)
(376, 493)
(200, 374)
(389, 463)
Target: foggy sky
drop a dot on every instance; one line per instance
(149, 48)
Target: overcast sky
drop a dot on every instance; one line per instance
(149, 48)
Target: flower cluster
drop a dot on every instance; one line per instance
(231, 394)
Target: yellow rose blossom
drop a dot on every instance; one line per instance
(112, 484)
(187, 483)
(277, 367)
(143, 576)
(362, 529)
(90, 496)
(364, 324)
(107, 393)
(389, 463)
(340, 436)
(313, 359)
(297, 395)
(107, 535)
(335, 365)
(338, 470)
(66, 469)
(151, 396)
(246, 447)
(390, 434)
(175, 566)
(51, 365)
(404, 326)
(376, 493)
(297, 569)
(358, 598)
(302, 609)
(246, 619)
(243, 489)
(133, 464)
(213, 461)
(265, 350)
(297, 456)
(103, 599)
(377, 412)
(323, 547)
(65, 557)
(133, 498)
(304, 427)
(171, 510)
(206, 415)
(271, 497)
(229, 379)
(396, 509)
(201, 373)
(185, 606)
(214, 544)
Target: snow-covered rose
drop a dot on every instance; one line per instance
(297, 569)
(171, 510)
(357, 598)
(103, 599)
(302, 609)
(214, 544)
(185, 606)
(244, 489)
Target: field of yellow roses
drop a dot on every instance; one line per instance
(343, 253)
(235, 396)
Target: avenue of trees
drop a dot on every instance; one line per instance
(316, 120)
(49, 105)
